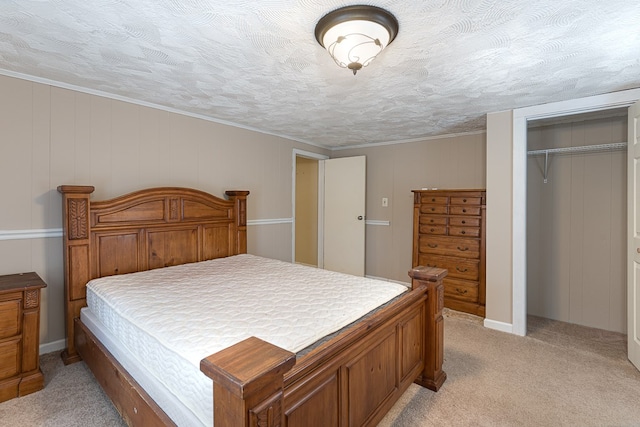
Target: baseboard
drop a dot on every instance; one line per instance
(498, 326)
(50, 347)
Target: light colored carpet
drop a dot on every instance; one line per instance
(559, 375)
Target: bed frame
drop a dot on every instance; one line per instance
(352, 379)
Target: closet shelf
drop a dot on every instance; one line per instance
(568, 150)
(584, 148)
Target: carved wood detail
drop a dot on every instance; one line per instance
(268, 414)
(78, 219)
(31, 298)
(173, 209)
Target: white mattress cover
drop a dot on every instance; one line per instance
(151, 315)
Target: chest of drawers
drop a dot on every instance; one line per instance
(19, 335)
(449, 230)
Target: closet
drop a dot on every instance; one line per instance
(576, 219)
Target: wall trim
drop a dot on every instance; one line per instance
(50, 347)
(376, 222)
(270, 221)
(498, 326)
(43, 233)
(408, 141)
(30, 234)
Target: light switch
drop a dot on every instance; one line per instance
(385, 202)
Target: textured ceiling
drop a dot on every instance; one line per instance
(256, 64)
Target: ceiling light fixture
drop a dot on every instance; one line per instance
(355, 35)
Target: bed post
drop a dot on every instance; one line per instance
(77, 262)
(240, 199)
(248, 383)
(432, 377)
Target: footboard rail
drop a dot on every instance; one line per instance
(351, 380)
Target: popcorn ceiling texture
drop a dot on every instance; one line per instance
(256, 64)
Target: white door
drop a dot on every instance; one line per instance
(633, 276)
(344, 214)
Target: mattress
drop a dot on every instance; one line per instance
(167, 320)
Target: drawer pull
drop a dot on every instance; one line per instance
(432, 245)
(462, 270)
(464, 200)
(464, 222)
(462, 249)
(433, 209)
(462, 291)
(433, 200)
(433, 229)
(464, 210)
(463, 232)
(431, 221)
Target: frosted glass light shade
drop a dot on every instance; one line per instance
(355, 35)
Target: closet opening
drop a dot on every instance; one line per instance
(576, 228)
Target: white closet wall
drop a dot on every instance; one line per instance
(576, 225)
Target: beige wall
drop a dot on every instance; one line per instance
(576, 225)
(499, 221)
(392, 172)
(52, 136)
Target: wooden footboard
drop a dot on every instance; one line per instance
(353, 380)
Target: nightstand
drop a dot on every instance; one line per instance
(19, 335)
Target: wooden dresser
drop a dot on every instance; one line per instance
(449, 231)
(19, 335)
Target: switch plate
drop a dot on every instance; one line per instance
(385, 202)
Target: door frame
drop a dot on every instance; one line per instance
(308, 155)
(520, 118)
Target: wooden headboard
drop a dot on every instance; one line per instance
(147, 229)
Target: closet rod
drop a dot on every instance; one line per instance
(583, 148)
(580, 149)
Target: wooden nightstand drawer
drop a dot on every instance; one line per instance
(10, 315)
(9, 358)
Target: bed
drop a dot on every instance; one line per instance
(350, 378)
